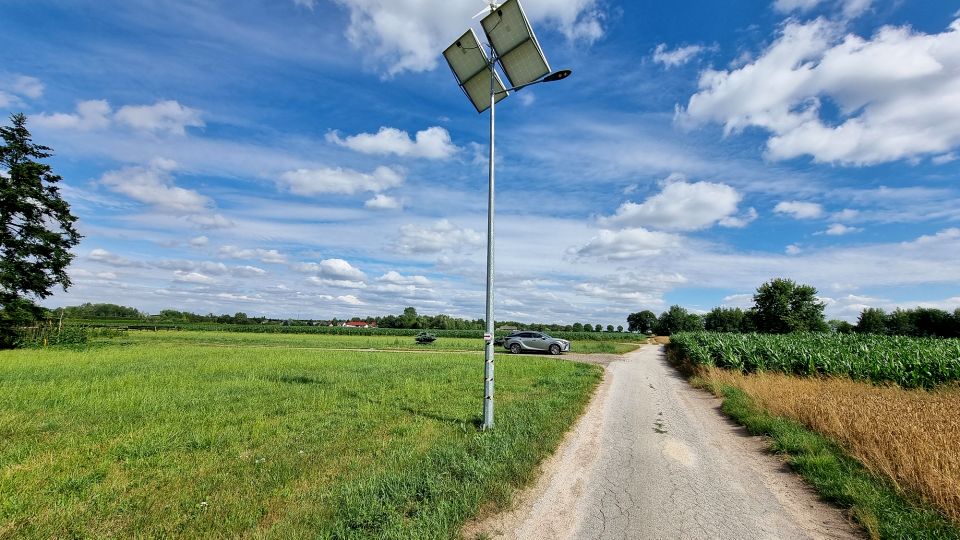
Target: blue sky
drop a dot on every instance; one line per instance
(316, 159)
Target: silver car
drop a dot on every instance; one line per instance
(519, 342)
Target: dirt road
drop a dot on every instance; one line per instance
(654, 458)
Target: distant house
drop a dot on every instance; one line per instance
(358, 324)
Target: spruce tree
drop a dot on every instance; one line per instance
(37, 229)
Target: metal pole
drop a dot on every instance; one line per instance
(488, 346)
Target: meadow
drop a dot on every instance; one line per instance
(166, 434)
(197, 338)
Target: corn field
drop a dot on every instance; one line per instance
(906, 361)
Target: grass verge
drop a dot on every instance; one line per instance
(173, 440)
(874, 502)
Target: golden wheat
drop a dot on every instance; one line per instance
(910, 436)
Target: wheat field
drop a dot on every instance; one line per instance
(909, 436)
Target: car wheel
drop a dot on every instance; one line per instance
(515, 348)
(554, 349)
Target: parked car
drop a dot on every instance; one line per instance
(519, 342)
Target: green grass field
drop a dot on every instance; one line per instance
(319, 341)
(166, 434)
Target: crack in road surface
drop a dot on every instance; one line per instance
(694, 475)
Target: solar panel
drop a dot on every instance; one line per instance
(470, 65)
(515, 44)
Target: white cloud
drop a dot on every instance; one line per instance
(199, 241)
(104, 256)
(441, 236)
(384, 202)
(18, 87)
(846, 214)
(163, 116)
(680, 206)
(210, 221)
(271, 256)
(793, 249)
(248, 271)
(30, 87)
(396, 278)
(739, 222)
(431, 143)
(350, 299)
(153, 185)
(192, 277)
(407, 35)
(799, 209)
(344, 181)
(309, 4)
(839, 229)
(93, 114)
(676, 57)
(898, 94)
(944, 158)
(628, 244)
(849, 8)
(334, 269)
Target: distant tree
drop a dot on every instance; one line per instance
(241, 318)
(587, 327)
(609, 328)
(677, 319)
(36, 227)
(840, 327)
(619, 328)
(872, 321)
(409, 318)
(643, 321)
(932, 322)
(577, 327)
(782, 306)
(900, 323)
(722, 319)
(598, 328)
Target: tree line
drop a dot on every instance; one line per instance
(408, 319)
(782, 306)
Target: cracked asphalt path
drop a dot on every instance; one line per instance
(654, 458)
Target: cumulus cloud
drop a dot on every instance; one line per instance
(92, 114)
(628, 244)
(338, 269)
(439, 237)
(397, 41)
(20, 86)
(739, 222)
(265, 255)
(897, 94)
(106, 257)
(383, 202)
(681, 206)
(676, 57)
(161, 117)
(431, 143)
(342, 181)
(153, 185)
(839, 229)
(199, 241)
(396, 278)
(799, 209)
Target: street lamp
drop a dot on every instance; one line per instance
(515, 48)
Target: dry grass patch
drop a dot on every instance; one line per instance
(909, 436)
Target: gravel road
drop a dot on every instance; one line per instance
(654, 458)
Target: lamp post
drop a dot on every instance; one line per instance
(515, 48)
